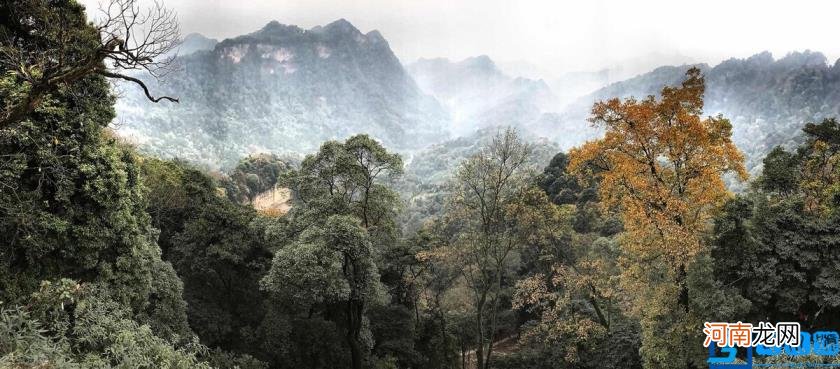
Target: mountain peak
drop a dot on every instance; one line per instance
(195, 36)
(302, 77)
(196, 42)
(762, 58)
(375, 36)
(804, 58)
(341, 26)
(277, 29)
(482, 62)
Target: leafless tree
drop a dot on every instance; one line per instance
(46, 48)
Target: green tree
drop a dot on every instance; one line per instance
(775, 245)
(217, 248)
(494, 212)
(221, 258)
(72, 207)
(350, 178)
(333, 265)
(67, 325)
(560, 185)
(344, 182)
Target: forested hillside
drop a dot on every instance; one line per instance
(282, 89)
(767, 100)
(491, 251)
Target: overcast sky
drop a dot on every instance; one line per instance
(557, 35)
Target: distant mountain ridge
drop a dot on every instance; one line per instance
(767, 100)
(283, 89)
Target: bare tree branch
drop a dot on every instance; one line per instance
(139, 82)
(46, 48)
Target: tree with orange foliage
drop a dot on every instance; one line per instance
(660, 165)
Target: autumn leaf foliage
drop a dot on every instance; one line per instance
(660, 165)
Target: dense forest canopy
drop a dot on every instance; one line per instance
(497, 250)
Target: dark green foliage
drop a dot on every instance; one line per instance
(350, 178)
(81, 273)
(561, 186)
(315, 343)
(827, 131)
(392, 326)
(782, 259)
(223, 359)
(436, 343)
(781, 174)
(779, 245)
(330, 266)
(73, 206)
(72, 326)
(341, 225)
(220, 257)
(47, 47)
(218, 250)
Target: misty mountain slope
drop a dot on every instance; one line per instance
(283, 89)
(571, 86)
(479, 95)
(196, 42)
(767, 100)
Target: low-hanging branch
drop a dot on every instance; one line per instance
(138, 82)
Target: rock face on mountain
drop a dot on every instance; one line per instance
(283, 89)
(479, 95)
(768, 101)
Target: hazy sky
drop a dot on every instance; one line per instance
(556, 35)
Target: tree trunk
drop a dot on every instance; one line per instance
(479, 349)
(463, 357)
(682, 283)
(355, 351)
(354, 327)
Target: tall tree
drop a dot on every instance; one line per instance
(660, 165)
(776, 245)
(79, 262)
(332, 264)
(341, 190)
(73, 206)
(491, 215)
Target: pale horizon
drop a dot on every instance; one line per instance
(556, 38)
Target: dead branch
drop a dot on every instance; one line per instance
(138, 82)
